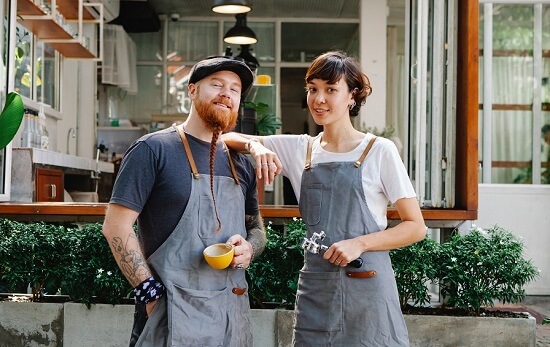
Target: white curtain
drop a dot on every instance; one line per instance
(119, 61)
(512, 139)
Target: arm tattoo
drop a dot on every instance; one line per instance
(255, 234)
(131, 262)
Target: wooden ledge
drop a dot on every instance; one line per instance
(93, 212)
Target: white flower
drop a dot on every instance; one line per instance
(109, 273)
(453, 259)
(294, 219)
(100, 270)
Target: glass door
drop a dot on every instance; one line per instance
(431, 33)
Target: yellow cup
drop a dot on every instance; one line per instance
(263, 79)
(219, 255)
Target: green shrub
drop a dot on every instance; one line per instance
(55, 259)
(475, 269)
(93, 275)
(35, 254)
(414, 268)
(472, 270)
(273, 276)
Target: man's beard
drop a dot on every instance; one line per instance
(216, 118)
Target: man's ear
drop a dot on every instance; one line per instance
(192, 91)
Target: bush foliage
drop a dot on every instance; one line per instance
(58, 259)
(472, 270)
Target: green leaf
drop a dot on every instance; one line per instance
(267, 124)
(10, 118)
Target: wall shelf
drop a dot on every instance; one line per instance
(46, 29)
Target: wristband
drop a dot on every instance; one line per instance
(149, 290)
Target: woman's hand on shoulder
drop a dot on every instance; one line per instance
(268, 164)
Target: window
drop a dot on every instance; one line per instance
(328, 36)
(515, 98)
(37, 69)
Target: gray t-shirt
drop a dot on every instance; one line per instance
(155, 180)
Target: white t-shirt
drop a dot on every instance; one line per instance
(384, 175)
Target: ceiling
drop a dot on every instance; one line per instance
(338, 9)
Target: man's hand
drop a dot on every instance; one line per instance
(150, 307)
(243, 252)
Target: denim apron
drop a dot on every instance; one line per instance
(338, 306)
(202, 306)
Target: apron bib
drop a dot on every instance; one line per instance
(202, 306)
(344, 306)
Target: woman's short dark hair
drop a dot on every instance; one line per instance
(332, 66)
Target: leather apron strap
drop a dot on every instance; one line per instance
(194, 169)
(365, 152)
(356, 164)
(308, 154)
(188, 152)
(231, 165)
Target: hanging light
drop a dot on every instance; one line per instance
(231, 6)
(240, 34)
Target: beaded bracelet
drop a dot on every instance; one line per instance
(149, 290)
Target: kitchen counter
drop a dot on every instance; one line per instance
(47, 157)
(39, 175)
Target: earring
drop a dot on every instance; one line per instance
(352, 106)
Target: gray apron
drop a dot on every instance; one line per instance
(202, 306)
(338, 306)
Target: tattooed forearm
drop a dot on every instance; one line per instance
(130, 259)
(255, 234)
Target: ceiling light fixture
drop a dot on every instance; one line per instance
(231, 6)
(240, 34)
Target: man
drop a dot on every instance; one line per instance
(187, 191)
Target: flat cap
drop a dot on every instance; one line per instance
(211, 65)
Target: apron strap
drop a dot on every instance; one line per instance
(365, 152)
(308, 154)
(231, 165)
(188, 151)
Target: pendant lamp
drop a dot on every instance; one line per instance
(231, 6)
(240, 34)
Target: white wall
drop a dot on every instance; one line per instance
(78, 108)
(525, 211)
(372, 46)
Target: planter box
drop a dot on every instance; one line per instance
(70, 324)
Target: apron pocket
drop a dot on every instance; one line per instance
(314, 204)
(319, 301)
(198, 317)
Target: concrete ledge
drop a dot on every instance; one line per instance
(71, 324)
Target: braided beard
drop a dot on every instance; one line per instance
(216, 119)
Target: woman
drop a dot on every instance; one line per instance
(343, 179)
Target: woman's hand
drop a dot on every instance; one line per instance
(343, 252)
(268, 164)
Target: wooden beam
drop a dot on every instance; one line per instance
(467, 107)
(68, 211)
